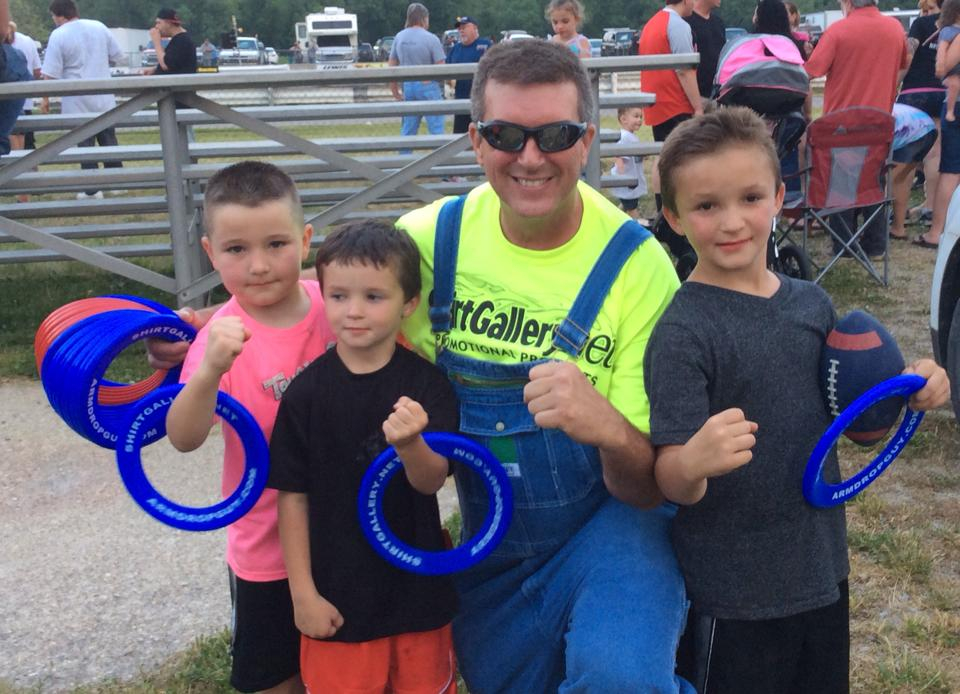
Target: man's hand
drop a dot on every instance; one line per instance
(559, 396)
(937, 390)
(224, 344)
(162, 354)
(316, 616)
(723, 444)
(405, 423)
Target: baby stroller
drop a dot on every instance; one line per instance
(763, 72)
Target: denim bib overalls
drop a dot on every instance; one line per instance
(584, 593)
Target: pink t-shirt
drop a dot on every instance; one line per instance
(269, 361)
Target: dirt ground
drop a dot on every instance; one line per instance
(91, 587)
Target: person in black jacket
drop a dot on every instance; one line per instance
(179, 55)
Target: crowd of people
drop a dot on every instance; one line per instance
(660, 541)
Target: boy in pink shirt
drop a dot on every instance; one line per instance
(252, 347)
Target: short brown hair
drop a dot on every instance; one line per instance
(529, 62)
(708, 134)
(64, 8)
(249, 183)
(371, 242)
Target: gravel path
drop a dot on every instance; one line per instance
(90, 586)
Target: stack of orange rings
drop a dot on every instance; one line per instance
(74, 347)
(65, 316)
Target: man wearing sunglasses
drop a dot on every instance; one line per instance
(542, 295)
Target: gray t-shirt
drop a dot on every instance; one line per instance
(416, 46)
(752, 548)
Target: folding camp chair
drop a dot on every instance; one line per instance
(848, 155)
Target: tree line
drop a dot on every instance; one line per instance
(273, 20)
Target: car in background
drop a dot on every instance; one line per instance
(272, 57)
(513, 34)
(619, 42)
(609, 40)
(365, 53)
(381, 49)
(248, 51)
(449, 38)
(595, 47)
(735, 32)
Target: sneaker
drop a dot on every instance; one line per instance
(90, 196)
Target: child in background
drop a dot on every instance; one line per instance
(367, 625)
(566, 16)
(631, 118)
(948, 54)
(253, 346)
(732, 372)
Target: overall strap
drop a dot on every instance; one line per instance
(571, 334)
(446, 243)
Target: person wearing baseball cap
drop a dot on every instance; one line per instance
(179, 56)
(469, 49)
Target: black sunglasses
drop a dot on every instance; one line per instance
(552, 137)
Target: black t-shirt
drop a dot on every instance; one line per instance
(920, 74)
(180, 56)
(709, 35)
(328, 431)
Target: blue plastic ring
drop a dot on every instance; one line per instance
(818, 492)
(148, 417)
(75, 363)
(402, 555)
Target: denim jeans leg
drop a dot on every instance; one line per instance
(89, 142)
(108, 138)
(499, 645)
(630, 607)
(10, 110)
(409, 125)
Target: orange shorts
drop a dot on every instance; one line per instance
(414, 663)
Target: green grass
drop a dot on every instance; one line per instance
(902, 552)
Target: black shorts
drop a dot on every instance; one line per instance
(266, 643)
(661, 130)
(930, 102)
(806, 652)
(914, 152)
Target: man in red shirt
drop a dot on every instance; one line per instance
(862, 56)
(676, 91)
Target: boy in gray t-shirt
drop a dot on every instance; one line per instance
(732, 376)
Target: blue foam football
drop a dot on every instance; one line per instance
(859, 353)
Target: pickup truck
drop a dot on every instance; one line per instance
(248, 51)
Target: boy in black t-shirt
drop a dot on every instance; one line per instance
(367, 625)
(732, 373)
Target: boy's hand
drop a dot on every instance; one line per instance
(316, 617)
(723, 444)
(224, 344)
(162, 354)
(405, 423)
(937, 390)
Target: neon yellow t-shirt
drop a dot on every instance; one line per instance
(509, 299)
